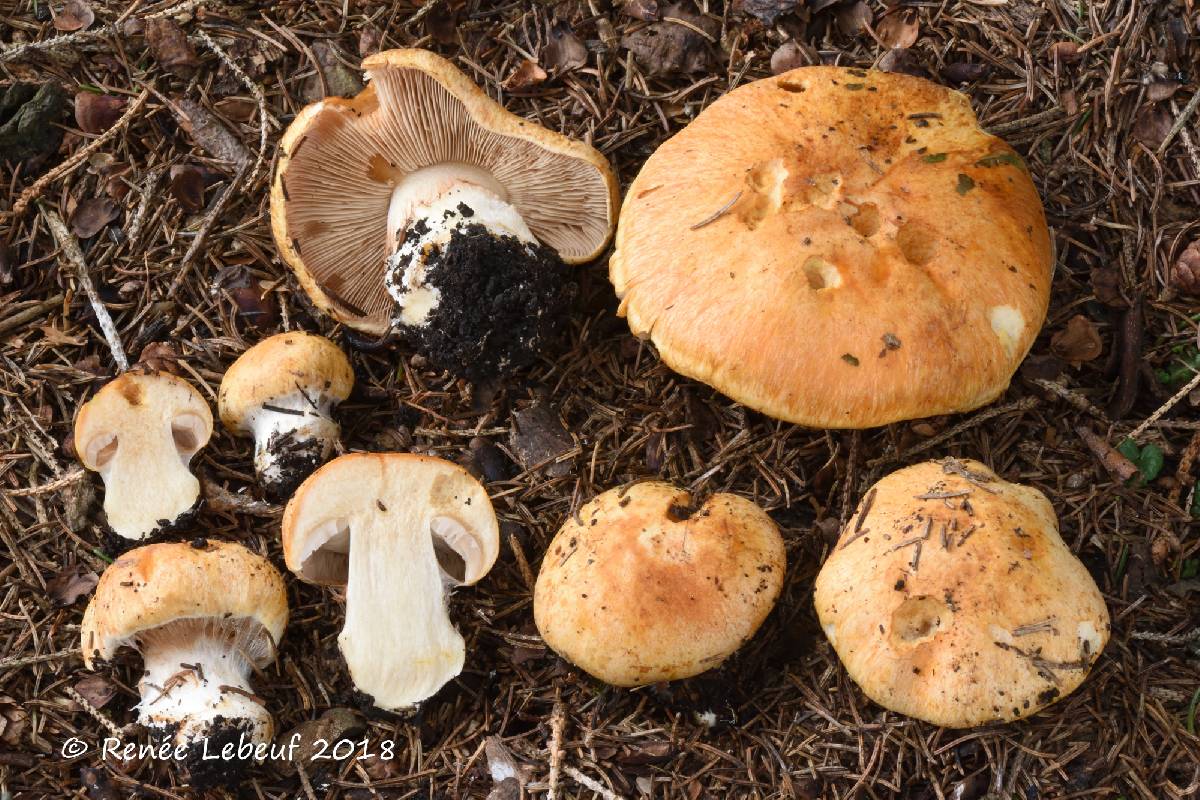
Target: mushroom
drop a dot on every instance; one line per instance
(203, 616)
(644, 584)
(423, 205)
(398, 531)
(951, 598)
(838, 248)
(140, 432)
(282, 391)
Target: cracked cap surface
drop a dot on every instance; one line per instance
(837, 248)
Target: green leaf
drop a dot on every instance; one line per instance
(1182, 367)
(854, 87)
(850, 359)
(1129, 449)
(1151, 461)
(965, 184)
(1001, 159)
(1148, 459)
(934, 158)
(1190, 568)
(1196, 501)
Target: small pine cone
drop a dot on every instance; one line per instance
(1185, 277)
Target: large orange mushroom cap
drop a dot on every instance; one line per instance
(837, 248)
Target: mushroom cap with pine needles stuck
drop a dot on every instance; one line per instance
(950, 597)
(838, 248)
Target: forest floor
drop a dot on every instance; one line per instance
(171, 213)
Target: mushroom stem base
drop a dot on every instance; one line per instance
(292, 437)
(196, 698)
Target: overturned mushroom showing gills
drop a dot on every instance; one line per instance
(203, 616)
(399, 531)
(951, 598)
(140, 432)
(282, 391)
(646, 585)
(424, 204)
(838, 248)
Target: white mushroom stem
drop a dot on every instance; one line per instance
(197, 684)
(305, 415)
(446, 197)
(398, 640)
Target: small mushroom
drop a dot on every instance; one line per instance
(644, 585)
(839, 248)
(203, 616)
(282, 391)
(951, 598)
(422, 204)
(398, 531)
(140, 432)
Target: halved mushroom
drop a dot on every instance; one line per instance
(282, 391)
(424, 205)
(398, 531)
(140, 432)
(951, 598)
(203, 616)
(645, 584)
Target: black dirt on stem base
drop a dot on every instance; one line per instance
(502, 303)
(295, 460)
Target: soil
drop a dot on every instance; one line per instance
(503, 303)
(202, 760)
(295, 460)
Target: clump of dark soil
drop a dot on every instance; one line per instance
(203, 762)
(502, 303)
(114, 544)
(295, 460)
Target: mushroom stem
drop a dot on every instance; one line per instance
(196, 694)
(427, 193)
(293, 435)
(426, 209)
(398, 578)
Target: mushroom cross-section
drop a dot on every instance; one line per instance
(951, 598)
(282, 391)
(644, 584)
(140, 432)
(398, 531)
(203, 616)
(838, 248)
(422, 170)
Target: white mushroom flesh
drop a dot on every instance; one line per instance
(447, 198)
(396, 586)
(147, 481)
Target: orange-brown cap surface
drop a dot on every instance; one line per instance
(837, 248)
(158, 584)
(281, 365)
(641, 586)
(341, 159)
(951, 598)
